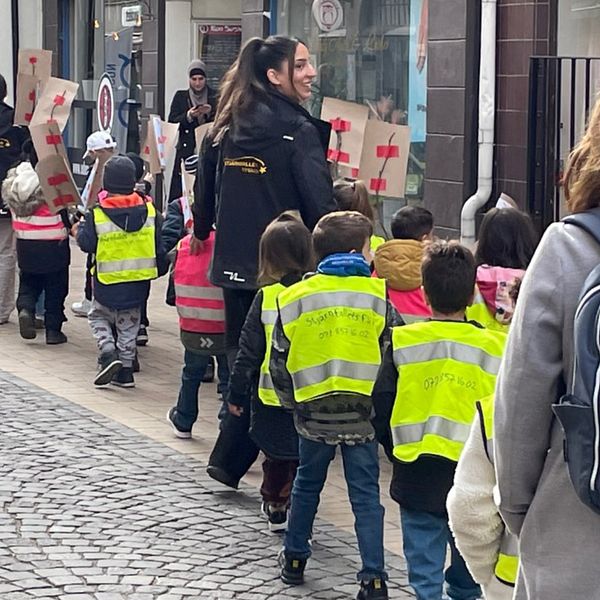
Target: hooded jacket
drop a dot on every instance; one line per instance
(129, 213)
(23, 196)
(399, 263)
(271, 160)
(11, 140)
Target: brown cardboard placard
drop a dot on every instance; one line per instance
(55, 102)
(384, 158)
(36, 62)
(27, 93)
(201, 133)
(47, 140)
(93, 184)
(150, 149)
(57, 183)
(170, 133)
(161, 138)
(348, 121)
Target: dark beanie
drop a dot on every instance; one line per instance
(197, 67)
(138, 163)
(119, 175)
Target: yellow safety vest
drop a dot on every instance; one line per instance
(376, 241)
(125, 256)
(507, 565)
(268, 316)
(444, 367)
(333, 325)
(480, 312)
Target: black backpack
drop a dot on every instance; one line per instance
(579, 410)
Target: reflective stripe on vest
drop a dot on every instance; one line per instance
(268, 316)
(444, 367)
(199, 303)
(125, 256)
(507, 565)
(333, 325)
(42, 225)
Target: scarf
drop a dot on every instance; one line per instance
(344, 265)
(201, 97)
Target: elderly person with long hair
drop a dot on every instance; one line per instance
(559, 536)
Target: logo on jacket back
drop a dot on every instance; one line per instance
(5, 143)
(246, 164)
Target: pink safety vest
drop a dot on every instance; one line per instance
(41, 225)
(199, 303)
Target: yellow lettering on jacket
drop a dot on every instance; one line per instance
(247, 164)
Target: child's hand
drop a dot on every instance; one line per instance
(196, 245)
(74, 229)
(235, 410)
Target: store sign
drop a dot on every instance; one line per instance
(131, 15)
(105, 104)
(328, 14)
(218, 46)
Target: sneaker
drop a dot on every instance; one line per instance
(142, 336)
(136, 364)
(276, 515)
(55, 337)
(81, 309)
(108, 365)
(179, 433)
(40, 322)
(376, 589)
(222, 476)
(209, 374)
(27, 324)
(292, 569)
(123, 378)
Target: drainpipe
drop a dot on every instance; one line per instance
(487, 107)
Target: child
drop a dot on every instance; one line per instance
(424, 401)
(123, 231)
(399, 261)
(202, 329)
(324, 360)
(43, 252)
(285, 254)
(353, 195)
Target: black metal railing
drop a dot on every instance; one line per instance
(561, 93)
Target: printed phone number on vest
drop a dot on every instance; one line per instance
(344, 331)
(432, 382)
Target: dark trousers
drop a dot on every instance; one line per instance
(55, 287)
(144, 311)
(278, 477)
(234, 450)
(88, 290)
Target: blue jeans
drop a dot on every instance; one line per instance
(361, 471)
(194, 367)
(426, 537)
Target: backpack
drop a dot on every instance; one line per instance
(578, 411)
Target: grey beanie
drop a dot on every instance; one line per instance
(197, 67)
(119, 175)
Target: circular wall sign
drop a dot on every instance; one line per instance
(105, 104)
(328, 14)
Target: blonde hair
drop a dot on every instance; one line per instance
(581, 180)
(353, 195)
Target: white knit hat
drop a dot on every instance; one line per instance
(26, 182)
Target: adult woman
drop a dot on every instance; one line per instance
(559, 537)
(190, 108)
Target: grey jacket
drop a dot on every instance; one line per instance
(559, 536)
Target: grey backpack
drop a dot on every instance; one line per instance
(579, 410)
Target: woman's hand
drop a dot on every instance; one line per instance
(235, 410)
(196, 245)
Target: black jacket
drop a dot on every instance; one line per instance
(180, 104)
(271, 428)
(270, 161)
(11, 140)
(120, 296)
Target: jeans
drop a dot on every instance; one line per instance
(361, 471)
(194, 367)
(426, 537)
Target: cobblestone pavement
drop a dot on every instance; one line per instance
(92, 510)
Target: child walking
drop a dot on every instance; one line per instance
(123, 232)
(327, 345)
(424, 399)
(285, 254)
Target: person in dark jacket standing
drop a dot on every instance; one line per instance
(190, 108)
(264, 155)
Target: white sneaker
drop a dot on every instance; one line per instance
(81, 309)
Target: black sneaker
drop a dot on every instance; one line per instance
(179, 433)
(27, 324)
(142, 336)
(55, 337)
(40, 322)
(136, 364)
(209, 374)
(222, 476)
(108, 365)
(276, 515)
(376, 589)
(292, 569)
(123, 378)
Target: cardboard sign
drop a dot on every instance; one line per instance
(150, 150)
(27, 93)
(384, 158)
(348, 122)
(55, 102)
(36, 63)
(47, 140)
(160, 143)
(201, 133)
(57, 183)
